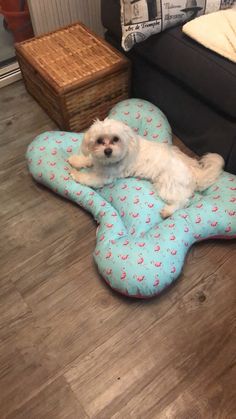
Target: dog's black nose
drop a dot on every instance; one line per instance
(108, 152)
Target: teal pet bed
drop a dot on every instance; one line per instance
(137, 252)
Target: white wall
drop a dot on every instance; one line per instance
(48, 15)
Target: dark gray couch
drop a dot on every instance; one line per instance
(193, 86)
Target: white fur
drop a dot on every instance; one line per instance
(174, 175)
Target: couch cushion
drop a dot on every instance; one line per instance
(208, 74)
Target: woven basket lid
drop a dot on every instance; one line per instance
(71, 56)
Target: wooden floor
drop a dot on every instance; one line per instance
(70, 347)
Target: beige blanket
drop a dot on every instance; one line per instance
(216, 31)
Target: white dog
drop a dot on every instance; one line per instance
(114, 150)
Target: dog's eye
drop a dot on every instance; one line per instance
(100, 140)
(115, 139)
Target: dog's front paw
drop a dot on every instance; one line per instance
(74, 160)
(79, 161)
(80, 177)
(77, 176)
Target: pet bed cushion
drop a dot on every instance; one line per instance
(137, 252)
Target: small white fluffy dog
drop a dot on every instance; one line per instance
(114, 150)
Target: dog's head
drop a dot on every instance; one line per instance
(109, 141)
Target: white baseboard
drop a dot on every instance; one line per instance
(9, 74)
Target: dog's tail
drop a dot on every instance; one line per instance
(209, 169)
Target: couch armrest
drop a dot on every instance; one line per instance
(110, 13)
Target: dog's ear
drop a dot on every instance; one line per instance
(132, 139)
(85, 144)
(88, 137)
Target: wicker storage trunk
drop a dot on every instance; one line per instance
(74, 75)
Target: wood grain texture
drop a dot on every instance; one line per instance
(70, 348)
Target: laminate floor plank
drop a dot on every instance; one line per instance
(56, 401)
(150, 347)
(70, 347)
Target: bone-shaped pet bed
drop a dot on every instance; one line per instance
(137, 252)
